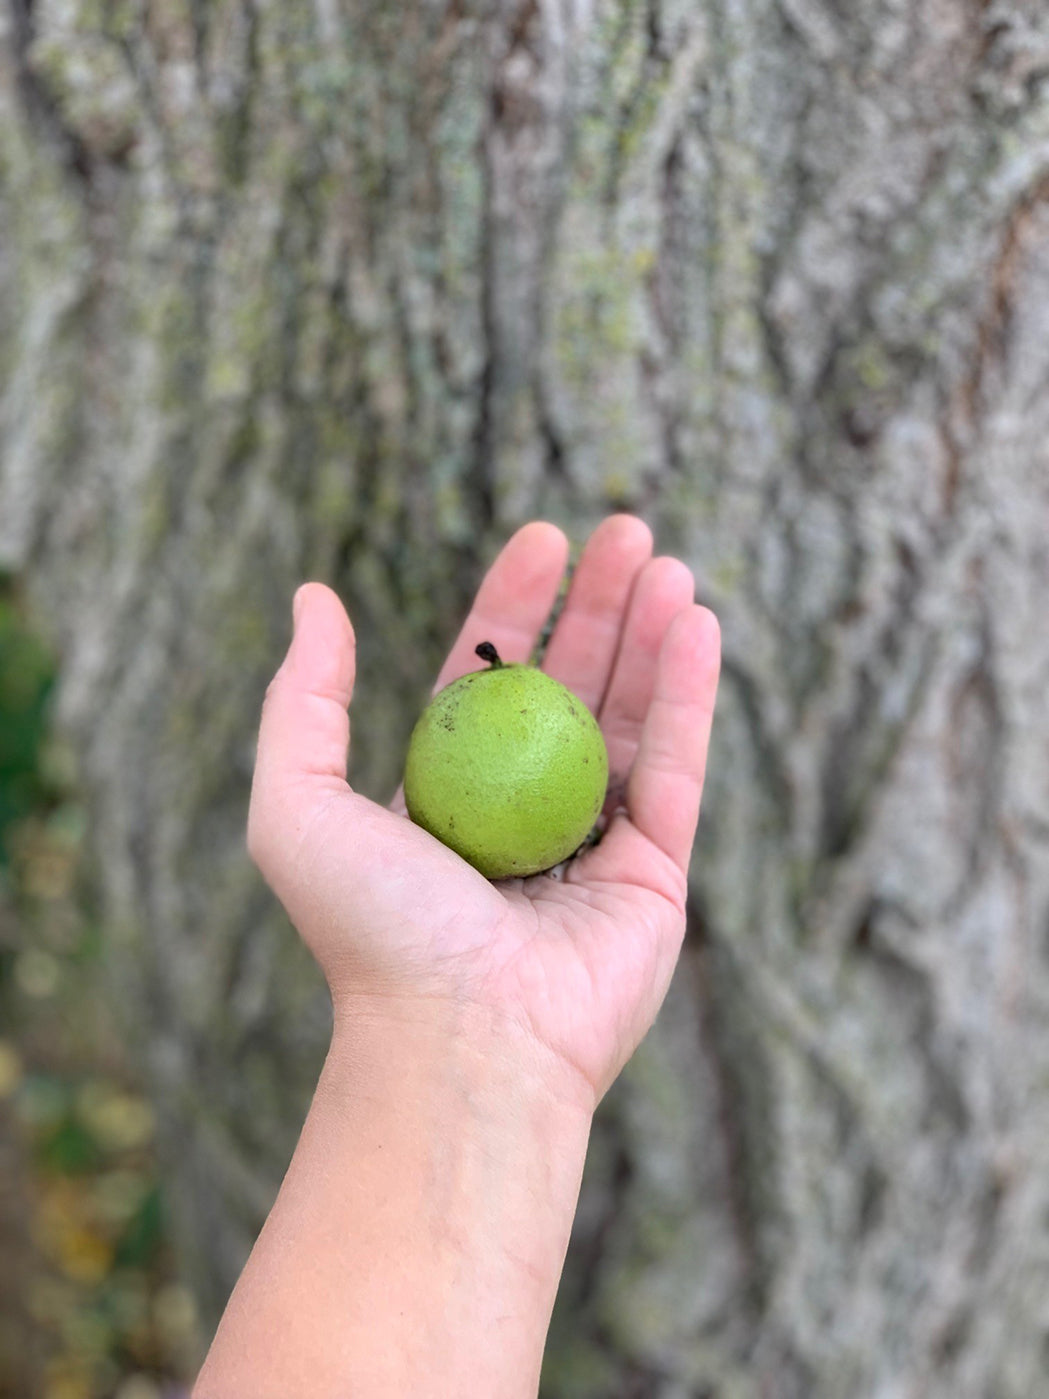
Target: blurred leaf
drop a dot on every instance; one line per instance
(70, 1149)
(144, 1234)
(27, 674)
(84, 1257)
(118, 1194)
(118, 1121)
(10, 1068)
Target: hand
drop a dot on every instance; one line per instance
(566, 974)
(419, 1234)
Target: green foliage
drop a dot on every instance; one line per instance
(90, 1294)
(27, 674)
(143, 1235)
(70, 1149)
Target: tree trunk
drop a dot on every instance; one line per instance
(332, 289)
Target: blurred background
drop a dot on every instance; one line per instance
(320, 288)
(91, 1301)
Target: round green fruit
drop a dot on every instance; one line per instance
(508, 768)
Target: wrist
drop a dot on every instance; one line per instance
(489, 1128)
(419, 1236)
(481, 1057)
(484, 1133)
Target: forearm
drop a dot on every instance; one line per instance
(418, 1239)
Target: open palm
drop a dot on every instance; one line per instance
(578, 962)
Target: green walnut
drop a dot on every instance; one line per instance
(508, 768)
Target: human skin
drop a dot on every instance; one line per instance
(417, 1241)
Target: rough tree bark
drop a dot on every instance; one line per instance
(324, 287)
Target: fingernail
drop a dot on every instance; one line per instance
(297, 603)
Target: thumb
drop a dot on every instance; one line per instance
(304, 734)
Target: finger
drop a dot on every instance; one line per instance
(513, 601)
(304, 733)
(666, 781)
(583, 648)
(664, 588)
